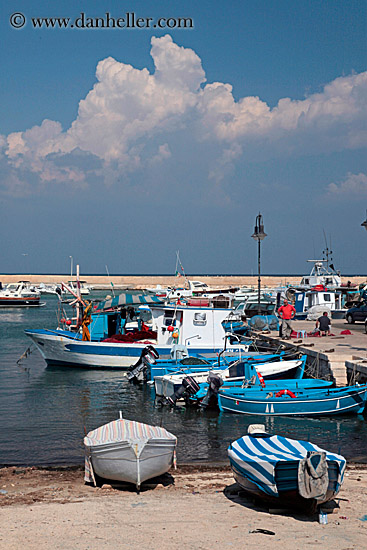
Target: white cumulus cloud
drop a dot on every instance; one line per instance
(355, 184)
(131, 119)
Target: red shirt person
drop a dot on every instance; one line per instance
(286, 312)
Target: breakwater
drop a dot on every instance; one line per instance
(146, 281)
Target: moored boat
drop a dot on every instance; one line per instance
(20, 294)
(239, 371)
(198, 328)
(308, 402)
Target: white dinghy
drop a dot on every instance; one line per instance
(128, 451)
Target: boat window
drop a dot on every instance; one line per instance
(327, 297)
(237, 370)
(300, 297)
(168, 318)
(199, 319)
(307, 281)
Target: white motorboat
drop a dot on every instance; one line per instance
(167, 384)
(128, 451)
(84, 288)
(20, 294)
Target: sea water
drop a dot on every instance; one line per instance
(45, 411)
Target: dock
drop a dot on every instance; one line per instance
(338, 357)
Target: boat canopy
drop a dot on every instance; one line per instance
(129, 300)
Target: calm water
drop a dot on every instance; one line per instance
(44, 411)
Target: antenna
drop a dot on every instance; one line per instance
(113, 290)
(327, 252)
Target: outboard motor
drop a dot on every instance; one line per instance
(188, 388)
(138, 372)
(215, 382)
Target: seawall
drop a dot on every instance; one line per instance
(146, 281)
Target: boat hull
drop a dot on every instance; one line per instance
(349, 400)
(60, 350)
(20, 302)
(286, 476)
(121, 461)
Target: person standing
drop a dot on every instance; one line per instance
(287, 313)
(323, 324)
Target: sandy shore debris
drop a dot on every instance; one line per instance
(189, 508)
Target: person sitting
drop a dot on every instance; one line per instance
(323, 323)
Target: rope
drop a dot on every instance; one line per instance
(26, 354)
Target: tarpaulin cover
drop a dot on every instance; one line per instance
(256, 458)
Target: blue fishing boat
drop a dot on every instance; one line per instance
(308, 402)
(103, 345)
(246, 376)
(285, 473)
(199, 363)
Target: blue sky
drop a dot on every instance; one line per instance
(121, 146)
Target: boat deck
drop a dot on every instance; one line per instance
(345, 356)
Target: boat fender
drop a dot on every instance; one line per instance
(285, 392)
(262, 381)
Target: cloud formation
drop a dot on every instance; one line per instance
(130, 118)
(353, 184)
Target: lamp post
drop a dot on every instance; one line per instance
(259, 235)
(71, 268)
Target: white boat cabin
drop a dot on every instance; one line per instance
(304, 300)
(321, 275)
(189, 325)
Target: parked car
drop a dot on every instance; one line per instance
(357, 313)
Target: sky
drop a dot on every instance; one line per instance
(120, 146)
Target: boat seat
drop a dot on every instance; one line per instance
(178, 352)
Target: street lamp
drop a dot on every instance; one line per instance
(259, 235)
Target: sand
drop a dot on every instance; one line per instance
(190, 508)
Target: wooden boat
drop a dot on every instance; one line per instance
(308, 402)
(283, 472)
(198, 328)
(128, 451)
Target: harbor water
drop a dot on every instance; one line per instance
(45, 411)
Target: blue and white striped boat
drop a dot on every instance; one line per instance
(274, 468)
(310, 402)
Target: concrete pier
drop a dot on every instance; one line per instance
(342, 358)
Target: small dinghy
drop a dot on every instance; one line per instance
(284, 472)
(128, 451)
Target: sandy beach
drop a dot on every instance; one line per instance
(189, 508)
